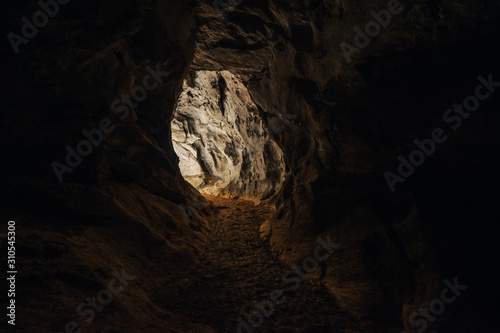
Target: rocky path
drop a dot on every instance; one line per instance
(238, 269)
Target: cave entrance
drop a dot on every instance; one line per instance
(223, 144)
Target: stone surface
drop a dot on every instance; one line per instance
(222, 143)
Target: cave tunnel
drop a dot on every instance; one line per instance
(250, 166)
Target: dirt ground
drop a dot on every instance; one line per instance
(238, 269)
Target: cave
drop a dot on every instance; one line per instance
(250, 166)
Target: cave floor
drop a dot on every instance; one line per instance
(238, 269)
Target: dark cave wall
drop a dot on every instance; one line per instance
(353, 120)
(120, 206)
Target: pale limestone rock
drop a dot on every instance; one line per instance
(221, 140)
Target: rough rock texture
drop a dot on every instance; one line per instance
(241, 271)
(121, 206)
(353, 120)
(220, 139)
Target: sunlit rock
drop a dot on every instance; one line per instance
(221, 140)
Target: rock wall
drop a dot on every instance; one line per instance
(356, 112)
(121, 206)
(221, 140)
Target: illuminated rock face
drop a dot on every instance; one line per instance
(221, 140)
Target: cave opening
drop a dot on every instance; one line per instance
(222, 141)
